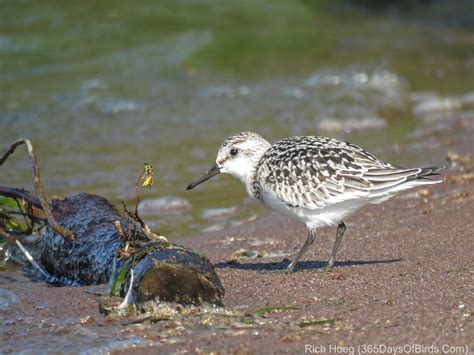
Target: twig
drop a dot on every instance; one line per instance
(31, 202)
(147, 177)
(32, 261)
(138, 198)
(119, 230)
(30, 215)
(20, 194)
(66, 233)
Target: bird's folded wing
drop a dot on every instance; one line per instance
(318, 177)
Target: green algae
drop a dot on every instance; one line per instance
(274, 309)
(313, 323)
(123, 274)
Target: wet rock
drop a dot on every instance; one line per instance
(177, 275)
(89, 259)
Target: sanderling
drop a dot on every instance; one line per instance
(317, 180)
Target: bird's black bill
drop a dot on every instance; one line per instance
(213, 171)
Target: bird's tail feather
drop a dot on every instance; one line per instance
(413, 178)
(425, 173)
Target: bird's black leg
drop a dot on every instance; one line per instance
(341, 228)
(307, 243)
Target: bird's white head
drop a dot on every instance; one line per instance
(237, 156)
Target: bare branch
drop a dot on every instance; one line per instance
(20, 194)
(39, 186)
(119, 230)
(138, 198)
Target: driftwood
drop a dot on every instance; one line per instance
(88, 259)
(87, 241)
(162, 271)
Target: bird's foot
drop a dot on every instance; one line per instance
(291, 268)
(329, 266)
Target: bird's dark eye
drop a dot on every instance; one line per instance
(234, 152)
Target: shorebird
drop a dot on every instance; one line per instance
(317, 180)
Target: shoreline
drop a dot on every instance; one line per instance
(403, 276)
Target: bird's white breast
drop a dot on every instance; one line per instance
(325, 215)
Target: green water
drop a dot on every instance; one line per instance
(101, 87)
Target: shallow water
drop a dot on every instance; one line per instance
(102, 88)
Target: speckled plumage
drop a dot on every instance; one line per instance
(314, 172)
(318, 180)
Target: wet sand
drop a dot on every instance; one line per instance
(403, 277)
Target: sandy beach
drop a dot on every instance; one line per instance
(404, 275)
(403, 278)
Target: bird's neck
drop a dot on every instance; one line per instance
(251, 179)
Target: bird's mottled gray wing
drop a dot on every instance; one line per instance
(314, 172)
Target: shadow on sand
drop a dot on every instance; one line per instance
(302, 265)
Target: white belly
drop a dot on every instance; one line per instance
(327, 215)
